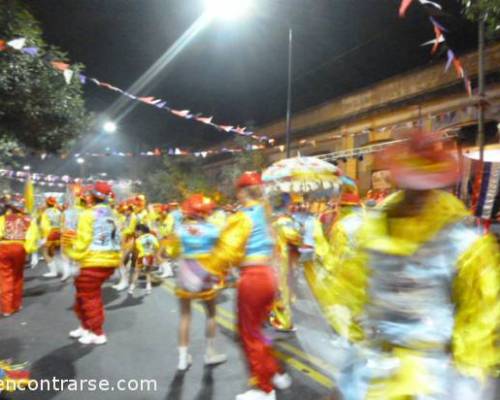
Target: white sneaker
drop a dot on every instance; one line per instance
(214, 359)
(92, 338)
(282, 381)
(78, 333)
(131, 289)
(122, 285)
(256, 394)
(149, 290)
(185, 362)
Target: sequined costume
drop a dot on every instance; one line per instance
(288, 239)
(97, 249)
(193, 243)
(419, 292)
(247, 242)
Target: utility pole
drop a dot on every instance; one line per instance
(481, 90)
(289, 93)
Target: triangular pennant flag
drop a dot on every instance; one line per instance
(226, 128)
(177, 152)
(94, 80)
(83, 79)
(17, 44)
(451, 57)
(433, 41)
(458, 67)
(161, 104)
(147, 100)
(430, 3)
(68, 74)
(439, 35)
(3, 45)
(205, 120)
(403, 7)
(32, 51)
(468, 86)
(435, 23)
(282, 148)
(61, 66)
(180, 113)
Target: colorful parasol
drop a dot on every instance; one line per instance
(302, 175)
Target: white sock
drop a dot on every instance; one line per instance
(183, 352)
(210, 349)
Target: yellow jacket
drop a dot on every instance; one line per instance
(97, 242)
(147, 245)
(31, 237)
(50, 220)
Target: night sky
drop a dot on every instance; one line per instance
(236, 70)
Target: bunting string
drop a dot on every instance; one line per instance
(68, 74)
(434, 9)
(51, 180)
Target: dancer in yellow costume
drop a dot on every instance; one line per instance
(419, 294)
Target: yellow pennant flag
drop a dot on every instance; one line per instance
(29, 196)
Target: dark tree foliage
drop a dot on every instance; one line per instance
(488, 9)
(38, 109)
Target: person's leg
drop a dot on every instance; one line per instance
(184, 328)
(135, 277)
(92, 305)
(148, 280)
(48, 256)
(80, 289)
(6, 281)
(18, 256)
(256, 290)
(212, 357)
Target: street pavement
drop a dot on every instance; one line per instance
(142, 344)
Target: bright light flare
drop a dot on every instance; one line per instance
(80, 160)
(227, 9)
(109, 127)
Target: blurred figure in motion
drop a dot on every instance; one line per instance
(18, 236)
(419, 293)
(146, 246)
(97, 249)
(247, 242)
(193, 240)
(50, 224)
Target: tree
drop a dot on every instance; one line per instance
(489, 9)
(38, 109)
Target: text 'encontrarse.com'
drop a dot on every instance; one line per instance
(81, 385)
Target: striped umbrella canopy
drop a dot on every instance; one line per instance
(302, 175)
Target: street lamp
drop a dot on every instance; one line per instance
(26, 168)
(81, 162)
(227, 9)
(109, 127)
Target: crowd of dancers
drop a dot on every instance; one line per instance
(407, 281)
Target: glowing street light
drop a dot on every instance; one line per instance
(109, 127)
(227, 9)
(80, 160)
(26, 168)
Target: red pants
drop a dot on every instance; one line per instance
(12, 259)
(88, 303)
(256, 294)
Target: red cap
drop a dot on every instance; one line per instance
(51, 201)
(102, 190)
(249, 178)
(350, 199)
(198, 205)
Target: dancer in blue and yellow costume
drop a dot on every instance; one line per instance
(13, 376)
(418, 296)
(193, 241)
(247, 242)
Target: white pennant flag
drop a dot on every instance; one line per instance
(430, 3)
(17, 44)
(68, 74)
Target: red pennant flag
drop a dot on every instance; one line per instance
(157, 152)
(404, 6)
(61, 66)
(3, 45)
(458, 67)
